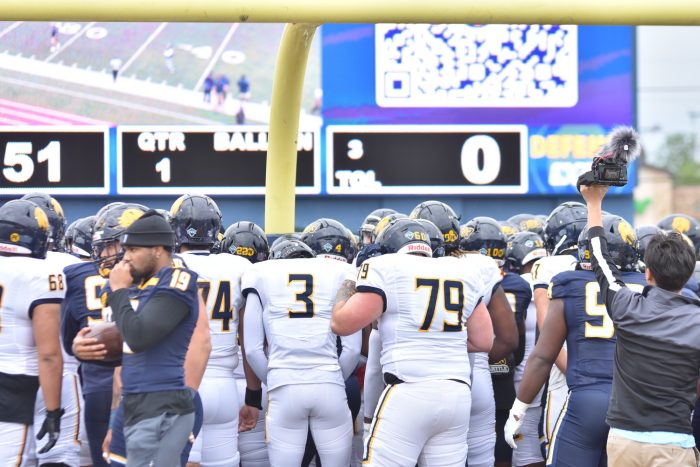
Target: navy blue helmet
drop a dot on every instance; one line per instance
(563, 227)
(79, 237)
(483, 234)
(57, 221)
(111, 223)
(528, 222)
(24, 229)
(329, 238)
(404, 235)
(366, 232)
(289, 248)
(622, 244)
(684, 224)
(437, 242)
(523, 247)
(246, 239)
(196, 220)
(444, 217)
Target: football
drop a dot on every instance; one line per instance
(108, 334)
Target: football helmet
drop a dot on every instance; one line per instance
(57, 221)
(528, 222)
(109, 227)
(523, 247)
(79, 242)
(563, 227)
(367, 228)
(24, 229)
(289, 248)
(329, 238)
(444, 217)
(404, 235)
(644, 235)
(483, 234)
(196, 220)
(246, 239)
(684, 224)
(437, 242)
(622, 244)
(508, 228)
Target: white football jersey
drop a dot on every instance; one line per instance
(546, 268)
(220, 283)
(60, 260)
(543, 271)
(24, 283)
(488, 270)
(297, 297)
(427, 302)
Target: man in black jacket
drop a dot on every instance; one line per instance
(657, 357)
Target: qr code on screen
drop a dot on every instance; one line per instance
(423, 65)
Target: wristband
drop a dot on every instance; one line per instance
(111, 417)
(253, 398)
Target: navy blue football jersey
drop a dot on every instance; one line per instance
(81, 307)
(590, 338)
(160, 368)
(519, 294)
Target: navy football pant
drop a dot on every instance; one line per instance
(97, 410)
(581, 434)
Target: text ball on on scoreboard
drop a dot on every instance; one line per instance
(427, 159)
(223, 160)
(64, 160)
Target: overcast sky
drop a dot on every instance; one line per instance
(668, 83)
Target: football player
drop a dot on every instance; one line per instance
(318, 236)
(366, 232)
(158, 408)
(249, 241)
(31, 290)
(528, 223)
(484, 234)
(83, 306)
(246, 239)
(196, 220)
(444, 217)
(577, 314)
(524, 248)
(69, 447)
(421, 304)
(562, 229)
(289, 300)
(684, 224)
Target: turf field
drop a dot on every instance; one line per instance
(74, 76)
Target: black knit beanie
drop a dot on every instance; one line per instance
(151, 229)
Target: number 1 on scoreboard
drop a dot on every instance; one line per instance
(163, 168)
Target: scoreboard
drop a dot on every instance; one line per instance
(54, 159)
(225, 160)
(426, 159)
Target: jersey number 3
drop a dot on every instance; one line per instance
(304, 296)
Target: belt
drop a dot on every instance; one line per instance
(391, 379)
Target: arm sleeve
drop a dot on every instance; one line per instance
(370, 278)
(606, 273)
(158, 317)
(350, 353)
(69, 326)
(254, 336)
